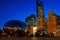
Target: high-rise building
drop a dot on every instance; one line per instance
(41, 20)
(31, 20)
(40, 15)
(38, 21)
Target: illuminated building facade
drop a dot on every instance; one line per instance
(31, 22)
(38, 21)
(40, 15)
(53, 23)
(50, 25)
(41, 20)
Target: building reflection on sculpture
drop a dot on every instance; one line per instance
(14, 28)
(37, 24)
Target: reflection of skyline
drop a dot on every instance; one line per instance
(12, 10)
(15, 23)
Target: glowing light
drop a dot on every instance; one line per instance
(34, 30)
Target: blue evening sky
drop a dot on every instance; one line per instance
(20, 9)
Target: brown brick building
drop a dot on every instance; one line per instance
(53, 23)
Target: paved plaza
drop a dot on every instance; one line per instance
(29, 38)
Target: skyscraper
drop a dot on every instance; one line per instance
(40, 14)
(39, 22)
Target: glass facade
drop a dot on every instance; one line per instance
(31, 20)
